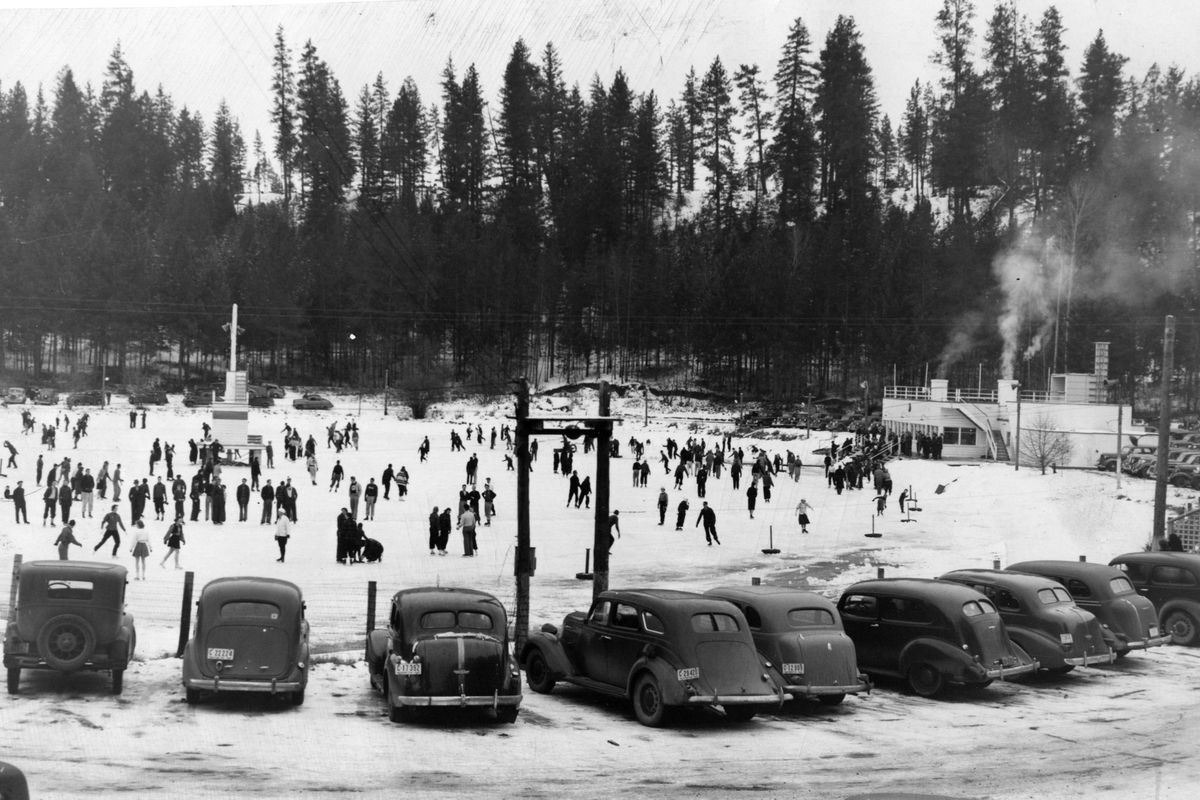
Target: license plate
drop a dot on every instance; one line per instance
(793, 669)
(220, 654)
(1154, 631)
(688, 674)
(406, 668)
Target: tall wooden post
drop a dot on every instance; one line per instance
(1164, 433)
(185, 612)
(600, 537)
(1017, 440)
(522, 565)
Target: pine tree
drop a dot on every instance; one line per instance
(1053, 115)
(914, 142)
(1101, 97)
(1009, 81)
(517, 150)
(961, 118)
(759, 118)
(793, 153)
(406, 143)
(648, 169)
(324, 155)
(188, 145)
(226, 161)
(846, 123)
(716, 142)
(367, 150)
(283, 111)
(690, 153)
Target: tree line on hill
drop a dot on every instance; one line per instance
(766, 232)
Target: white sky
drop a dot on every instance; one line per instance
(202, 53)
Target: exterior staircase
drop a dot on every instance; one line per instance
(1001, 447)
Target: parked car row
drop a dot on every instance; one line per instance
(732, 650)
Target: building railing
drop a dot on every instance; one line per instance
(976, 395)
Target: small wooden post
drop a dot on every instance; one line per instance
(12, 588)
(879, 573)
(372, 589)
(522, 567)
(1082, 558)
(185, 611)
(995, 563)
(756, 581)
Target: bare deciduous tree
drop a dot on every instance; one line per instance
(1043, 443)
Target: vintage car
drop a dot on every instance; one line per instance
(193, 399)
(1106, 592)
(445, 648)
(802, 635)
(70, 617)
(250, 636)
(13, 785)
(261, 401)
(90, 397)
(15, 395)
(661, 649)
(274, 390)
(1041, 617)
(148, 397)
(1171, 581)
(930, 633)
(312, 402)
(45, 397)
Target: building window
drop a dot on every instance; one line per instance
(960, 436)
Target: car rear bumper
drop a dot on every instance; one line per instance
(458, 701)
(1150, 641)
(804, 690)
(1086, 660)
(34, 662)
(737, 699)
(265, 687)
(1004, 673)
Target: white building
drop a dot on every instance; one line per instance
(984, 424)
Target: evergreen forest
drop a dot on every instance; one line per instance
(766, 232)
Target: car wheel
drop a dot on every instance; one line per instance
(507, 714)
(396, 713)
(925, 680)
(831, 699)
(537, 673)
(66, 642)
(118, 684)
(14, 679)
(740, 714)
(1120, 654)
(1063, 670)
(192, 696)
(648, 703)
(1182, 627)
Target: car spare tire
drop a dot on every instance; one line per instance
(66, 642)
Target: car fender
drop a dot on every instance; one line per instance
(120, 650)
(551, 648)
(1038, 645)
(948, 659)
(377, 650)
(672, 690)
(1179, 604)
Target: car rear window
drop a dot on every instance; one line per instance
(1052, 594)
(1121, 585)
(709, 622)
(60, 589)
(1176, 576)
(245, 609)
(450, 620)
(652, 623)
(802, 617)
(860, 605)
(975, 608)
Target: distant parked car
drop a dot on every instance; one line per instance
(1172, 582)
(148, 398)
(70, 617)
(193, 399)
(261, 400)
(1041, 617)
(312, 402)
(1106, 592)
(801, 634)
(250, 636)
(445, 648)
(274, 390)
(930, 633)
(661, 649)
(15, 395)
(90, 397)
(45, 397)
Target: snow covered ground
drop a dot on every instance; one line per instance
(1125, 730)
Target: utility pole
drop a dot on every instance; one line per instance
(523, 565)
(1017, 441)
(600, 537)
(1164, 433)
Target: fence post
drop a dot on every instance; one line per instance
(185, 612)
(12, 589)
(372, 588)
(879, 573)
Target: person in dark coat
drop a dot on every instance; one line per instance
(445, 525)
(179, 492)
(585, 492)
(159, 494)
(243, 500)
(681, 514)
(573, 490)
(18, 498)
(662, 505)
(267, 493)
(434, 518)
(709, 518)
(218, 502)
(751, 498)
